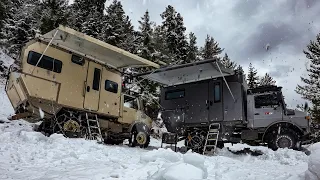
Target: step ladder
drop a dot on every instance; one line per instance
(212, 139)
(94, 131)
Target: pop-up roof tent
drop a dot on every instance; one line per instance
(94, 49)
(187, 73)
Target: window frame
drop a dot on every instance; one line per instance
(174, 91)
(96, 79)
(127, 98)
(105, 86)
(57, 64)
(77, 62)
(269, 105)
(214, 92)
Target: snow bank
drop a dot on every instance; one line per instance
(190, 166)
(161, 154)
(313, 172)
(25, 154)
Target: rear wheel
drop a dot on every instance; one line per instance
(69, 126)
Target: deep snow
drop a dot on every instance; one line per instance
(25, 154)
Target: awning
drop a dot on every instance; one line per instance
(187, 73)
(94, 49)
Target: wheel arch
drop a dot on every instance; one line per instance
(287, 124)
(140, 126)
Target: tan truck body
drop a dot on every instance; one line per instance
(76, 72)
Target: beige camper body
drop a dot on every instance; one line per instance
(66, 73)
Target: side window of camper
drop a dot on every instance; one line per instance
(46, 62)
(217, 92)
(96, 79)
(176, 94)
(111, 86)
(77, 60)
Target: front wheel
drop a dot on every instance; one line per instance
(286, 139)
(137, 138)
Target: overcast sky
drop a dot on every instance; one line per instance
(245, 27)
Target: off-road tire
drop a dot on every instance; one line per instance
(286, 139)
(133, 140)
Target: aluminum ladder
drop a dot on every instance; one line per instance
(94, 131)
(210, 145)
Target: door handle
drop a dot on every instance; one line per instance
(88, 88)
(84, 88)
(256, 113)
(211, 103)
(125, 111)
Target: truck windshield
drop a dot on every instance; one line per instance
(130, 102)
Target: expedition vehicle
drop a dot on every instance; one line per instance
(207, 105)
(73, 84)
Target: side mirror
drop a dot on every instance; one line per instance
(306, 107)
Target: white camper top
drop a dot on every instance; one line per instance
(187, 73)
(94, 49)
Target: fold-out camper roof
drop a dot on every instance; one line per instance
(187, 73)
(94, 49)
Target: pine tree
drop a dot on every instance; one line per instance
(52, 14)
(315, 111)
(3, 12)
(130, 41)
(239, 69)
(146, 49)
(160, 45)
(113, 32)
(181, 39)
(87, 16)
(228, 63)
(266, 80)
(211, 48)
(173, 32)
(193, 50)
(311, 88)
(146, 43)
(92, 25)
(19, 26)
(252, 77)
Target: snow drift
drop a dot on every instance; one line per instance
(313, 172)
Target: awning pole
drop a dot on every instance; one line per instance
(225, 82)
(45, 50)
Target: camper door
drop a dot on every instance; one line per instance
(215, 101)
(197, 102)
(92, 87)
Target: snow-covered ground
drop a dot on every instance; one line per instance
(25, 154)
